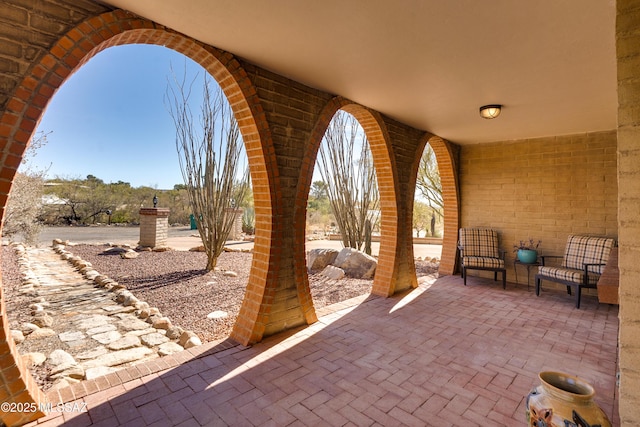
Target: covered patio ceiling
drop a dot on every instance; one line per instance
(428, 63)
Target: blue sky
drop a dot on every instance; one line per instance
(109, 119)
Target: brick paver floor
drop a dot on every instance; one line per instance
(441, 355)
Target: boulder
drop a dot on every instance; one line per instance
(317, 259)
(332, 272)
(356, 264)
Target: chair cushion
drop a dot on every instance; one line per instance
(582, 250)
(568, 274)
(479, 242)
(482, 262)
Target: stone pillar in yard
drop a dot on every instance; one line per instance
(154, 227)
(236, 228)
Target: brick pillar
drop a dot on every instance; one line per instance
(628, 53)
(154, 227)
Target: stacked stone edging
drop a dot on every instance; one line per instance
(143, 310)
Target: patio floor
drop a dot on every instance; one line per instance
(440, 355)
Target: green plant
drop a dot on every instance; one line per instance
(249, 221)
(530, 245)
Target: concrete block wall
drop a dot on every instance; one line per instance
(544, 188)
(628, 54)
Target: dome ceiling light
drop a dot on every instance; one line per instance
(490, 111)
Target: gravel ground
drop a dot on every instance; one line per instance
(177, 283)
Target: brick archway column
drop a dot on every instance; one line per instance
(386, 277)
(447, 166)
(25, 108)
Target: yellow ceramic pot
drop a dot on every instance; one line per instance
(563, 401)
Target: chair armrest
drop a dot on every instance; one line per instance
(542, 257)
(587, 265)
(502, 254)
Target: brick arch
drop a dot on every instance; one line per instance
(450, 195)
(26, 106)
(383, 160)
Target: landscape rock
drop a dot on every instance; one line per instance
(162, 323)
(114, 250)
(169, 348)
(192, 342)
(186, 336)
(218, 314)
(27, 328)
(92, 321)
(71, 336)
(318, 259)
(332, 272)
(153, 339)
(134, 325)
(60, 360)
(174, 332)
(18, 336)
(74, 371)
(118, 357)
(43, 320)
(92, 354)
(129, 254)
(100, 329)
(34, 358)
(98, 371)
(356, 264)
(124, 343)
(41, 333)
(107, 337)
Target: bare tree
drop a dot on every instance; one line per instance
(346, 166)
(428, 182)
(210, 152)
(25, 199)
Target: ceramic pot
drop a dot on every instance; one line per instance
(563, 401)
(527, 256)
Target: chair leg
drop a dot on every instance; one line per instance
(578, 295)
(495, 276)
(464, 276)
(504, 279)
(569, 289)
(538, 286)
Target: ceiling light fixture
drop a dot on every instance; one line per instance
(490, 111)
